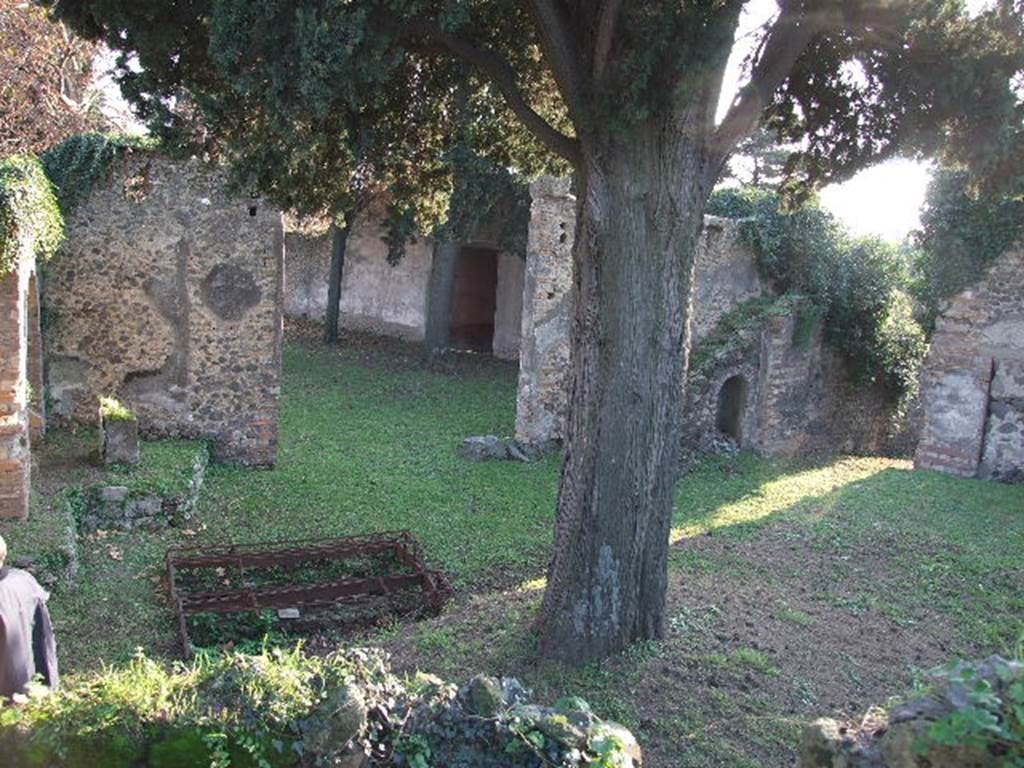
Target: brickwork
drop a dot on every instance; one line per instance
(168, 294)
(972, 385)
(20, 381)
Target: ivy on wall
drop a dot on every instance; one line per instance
(860, 286)
(29, 213)
(77, 163)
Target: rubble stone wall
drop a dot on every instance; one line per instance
(168, 294)
(725, 276)
(20, 383)
(972, 384)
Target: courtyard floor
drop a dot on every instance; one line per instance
(798, 589)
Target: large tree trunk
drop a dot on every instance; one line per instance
(339, 242)
(640, 211)
(439, 297)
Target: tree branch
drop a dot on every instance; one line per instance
(500, 73)
(789, 37)
(607, 20)
(561, 53)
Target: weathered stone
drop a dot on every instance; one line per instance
(171, 300)
(338, 721)
(120, 441)
(484, 448)
(22, 408)
(483, 696)
(973, 377)
(113, 494)
(627, 752)
(901, 747)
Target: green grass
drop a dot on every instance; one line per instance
(368, 442)
(166, 468)
(367, 448)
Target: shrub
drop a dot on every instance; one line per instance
(858, 285)
(29, 214)
(113, 409)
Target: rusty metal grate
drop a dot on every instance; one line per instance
(380, 574)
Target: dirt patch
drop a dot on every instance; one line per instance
(764, 633)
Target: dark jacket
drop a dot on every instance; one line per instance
(27, 647)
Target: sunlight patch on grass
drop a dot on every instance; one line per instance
(807, 491)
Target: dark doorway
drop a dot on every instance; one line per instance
(732, 404)
(474, 299)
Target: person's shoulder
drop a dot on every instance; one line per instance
(22, 581)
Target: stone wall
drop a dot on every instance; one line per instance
(544, 341)
(972, 384)
(21, 385)
(800, 396)
(379, 298)
(168, 294)
(725, 276)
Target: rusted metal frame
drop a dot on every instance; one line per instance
(341, 592)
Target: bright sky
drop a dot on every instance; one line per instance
(883, 200)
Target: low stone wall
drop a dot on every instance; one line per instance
(168, 294)
(972, 383)
(902, 737)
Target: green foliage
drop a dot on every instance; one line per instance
(486, 193)
(993, 719)
(859, 286)
(29, 214)
(729, 335)
(962, 232)
(219, 711)
(112, 409)
(77, 163)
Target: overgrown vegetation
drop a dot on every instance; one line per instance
(859, 285)
(962, 232)
(29, 214)
(79, 162)
(993, 719)
(220, 711)
(112, 409)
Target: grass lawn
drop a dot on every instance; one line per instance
(798, 588)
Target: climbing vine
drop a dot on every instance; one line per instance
(860, 286)
(29, 214)
(77, 163)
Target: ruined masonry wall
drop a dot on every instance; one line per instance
(168, 294)
(972, 384)
(20, 372)
(725, 276)
(544, 341)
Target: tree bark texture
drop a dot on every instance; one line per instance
(640, 210)
(439, 297)
(339, 242)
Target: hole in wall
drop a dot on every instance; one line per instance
(732, 406)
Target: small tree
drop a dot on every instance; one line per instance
(47, 73)
(626, 94)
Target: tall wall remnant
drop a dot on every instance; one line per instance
(725, 276)
(21, 382)
(544, 340)
(168, 293)
(972, 384)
